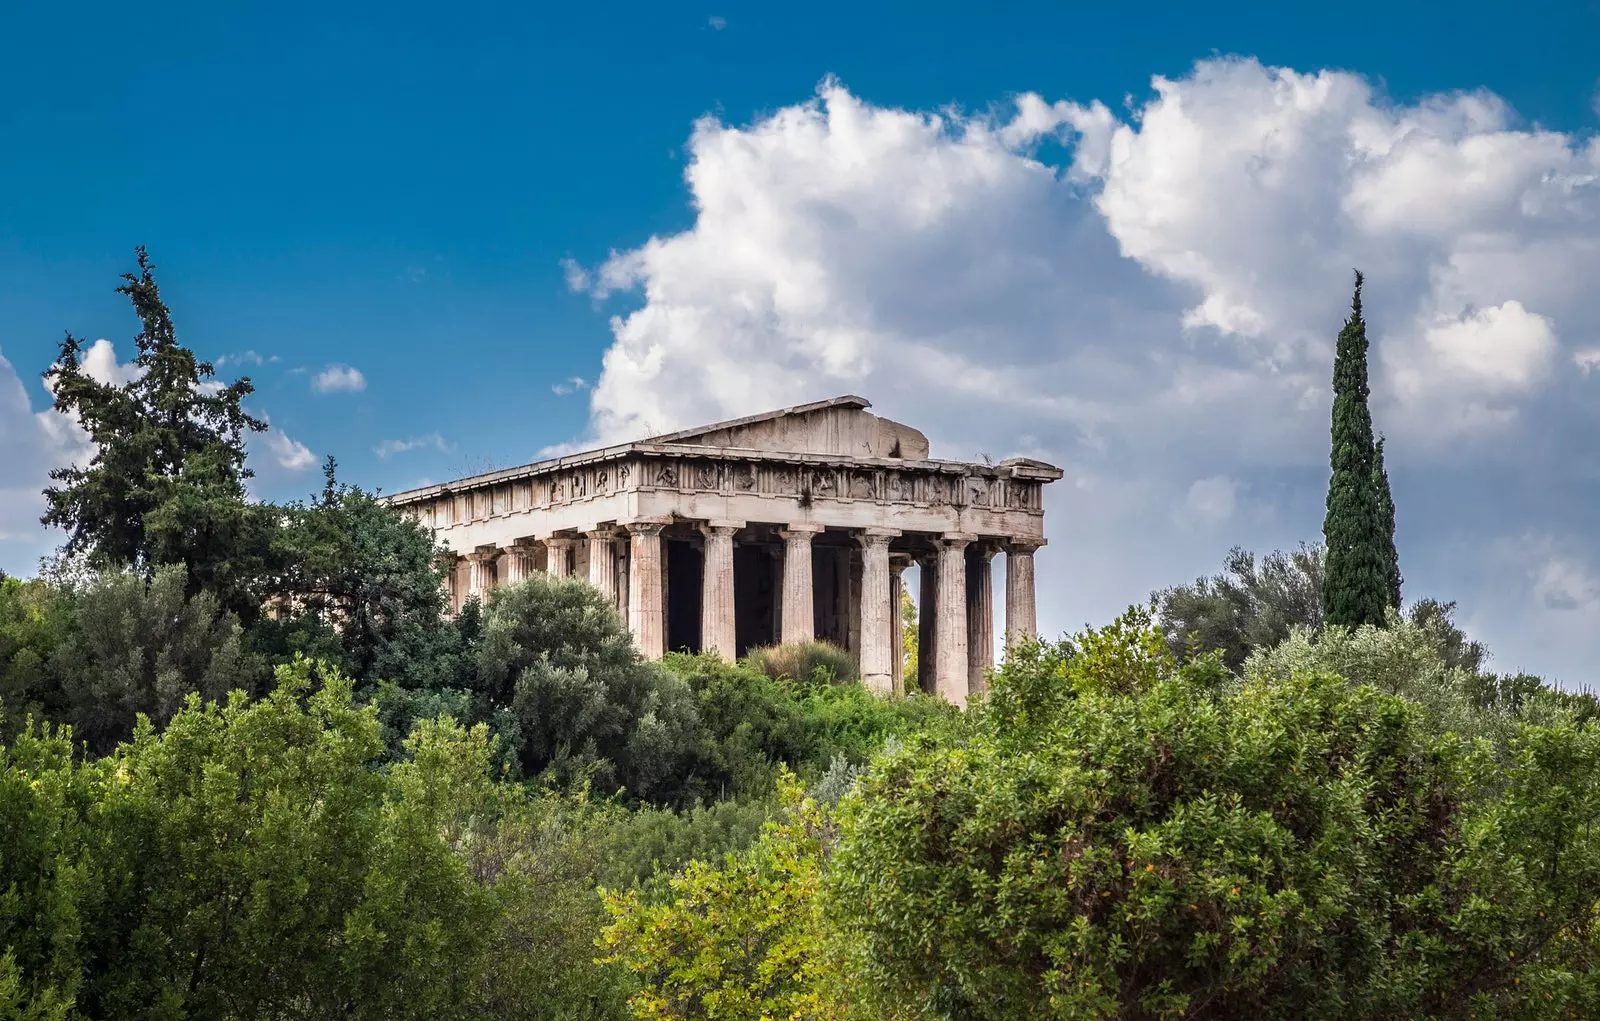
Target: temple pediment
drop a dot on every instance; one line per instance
(841, 426)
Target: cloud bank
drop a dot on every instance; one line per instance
(1150, 300)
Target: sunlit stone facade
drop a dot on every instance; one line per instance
(781, 527)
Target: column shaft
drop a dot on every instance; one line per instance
(1021, 620)
(645, 602)
(559, 558)
(950, 664)
(799, 602)
(876, 613)
(603, 562)
(718, 633)
(980, 617)
(897, 645)
(480, 575)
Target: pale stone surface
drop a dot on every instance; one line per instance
(951, 671)
(603, 562)
(646, 600)
(799, 601)
(717, 626)
(877, 666)
(778, 497)
(560, 554)
(980, 618)
(1021, 619)
(480, 573)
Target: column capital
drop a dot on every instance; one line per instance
(800, 531)
(719, 526)
(898, 562)
(1023, 546)
(603, 532)
(646, 526)
(956, 540)
(870, 537)
(986, 549)
(560, 541)
(526, 544)
(484, 553)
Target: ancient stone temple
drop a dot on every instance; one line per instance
(781, 527)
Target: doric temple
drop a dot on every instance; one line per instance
(782, 527)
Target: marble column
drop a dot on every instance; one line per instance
(646, 601)
(717, 631)
(799, 604)
(518, 562)
(877, 611)
(1021, 621)
(980, 616)
(559, 556)
(897, 565)
(927, 622)
(950, 658)
(480, 573)
(603, 562)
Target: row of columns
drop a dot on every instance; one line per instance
(956, 622)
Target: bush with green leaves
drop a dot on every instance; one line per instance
(247, 861)
(556, 655)
(1121, 837)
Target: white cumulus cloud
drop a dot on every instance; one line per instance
(338, 379)
(1151, 289)
(389, 448)
(290, 453)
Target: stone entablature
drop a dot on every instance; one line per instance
(705, 544)
(1005, 498)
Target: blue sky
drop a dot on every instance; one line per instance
(411, 191)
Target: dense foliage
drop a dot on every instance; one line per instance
(252, 767)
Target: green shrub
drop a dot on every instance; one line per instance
(1119, 837)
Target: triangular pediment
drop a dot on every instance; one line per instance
(841, 426)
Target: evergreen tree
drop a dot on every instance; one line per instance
(166, 482)
(1356, 583)
(1380, 483)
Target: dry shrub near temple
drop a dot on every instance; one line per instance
(806, 663)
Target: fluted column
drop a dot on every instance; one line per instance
(1021, 619)
(518, 562)
(646, 609)
(980, 617)
(558, 560)
(950, 664)
(717, 630)
(928, 623)
(603, 562)
(876, 612)
(480, 573)
(897, 645)
(799, 605)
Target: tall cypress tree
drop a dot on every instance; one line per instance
(1391, 558)
(1355, 585)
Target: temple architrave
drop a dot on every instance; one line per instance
(787, 526)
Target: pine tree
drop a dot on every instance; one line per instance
(1356, 584)
(1380, 483)
(166, 480)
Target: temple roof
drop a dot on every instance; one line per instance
(837, 430)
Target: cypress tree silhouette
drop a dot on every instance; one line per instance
(1355, 585)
